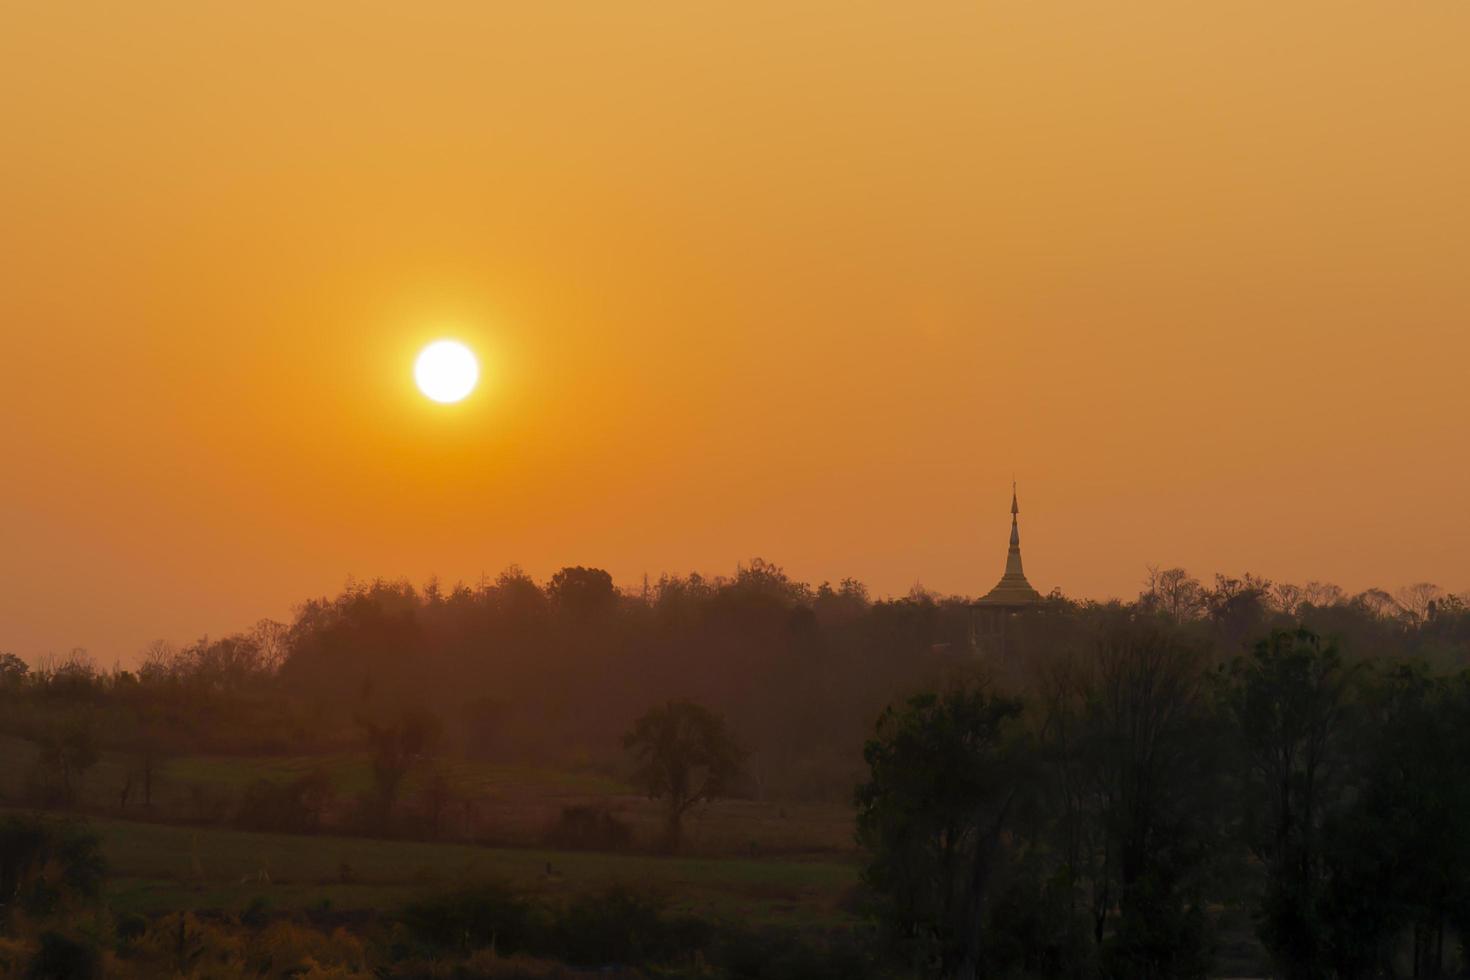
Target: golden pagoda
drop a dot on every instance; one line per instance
(1012, 591)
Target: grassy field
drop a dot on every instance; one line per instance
(158, 867)
(747, 861)
(507, 805)
(351, 774)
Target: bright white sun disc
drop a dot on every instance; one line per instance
(446, 371)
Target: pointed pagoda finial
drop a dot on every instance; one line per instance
(1013, 560)
(1012, 591)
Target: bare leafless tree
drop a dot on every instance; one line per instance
(1287, 598)
(1322, 594)
(271, 639)
(1174, 592)
(1378, 602)
(1415, 601)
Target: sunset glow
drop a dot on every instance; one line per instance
(809, 282)
(446, 371)
(588, 489)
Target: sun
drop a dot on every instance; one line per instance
(446, 371)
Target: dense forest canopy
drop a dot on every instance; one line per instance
(1083, 789)
(513, 669)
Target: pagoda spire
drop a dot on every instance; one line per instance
(1012, 590)
(1013, 557)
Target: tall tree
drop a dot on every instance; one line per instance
(585, 594)
(1288, 699)
(397, 747)
(1397, 853)
(13, 671)
(1173, 592)
(1149, 739)
(943, 782)
(69, 748)
(684, 755)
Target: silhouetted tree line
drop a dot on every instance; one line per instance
(1094, 791)
(521, 671)
(1112, 819)
(524, 672)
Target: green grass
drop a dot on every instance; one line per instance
(158, 867)
(351, 774)
(506, 804)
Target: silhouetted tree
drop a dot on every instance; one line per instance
(1288, 699)
(397, 747)
(1150, 754)
(1416, 602)
(1174, 593)
(13, 671)
(944, 777)
(585, 593)
(1397, 852)
(1238, 608)
(685, 755)
(69, 748)
(47, 867)
(296, 806)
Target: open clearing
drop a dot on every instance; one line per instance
(496, 804)
(160, 867)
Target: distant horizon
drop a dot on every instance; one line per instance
(632, 587)
(811, 282)
(296, 299)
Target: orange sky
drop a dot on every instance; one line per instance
(804, 281)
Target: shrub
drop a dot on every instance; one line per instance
(773, 954)
(1036, 930)
(617, 925)
(14, 953)
(257, 914)
(62, 957)
(588, 828)
(296, 950)
(131, 927)
(294, 807)
(489, 914)
(614, 926)
(178, 944)
(486, 964)
(622, 926)
(46, 865)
